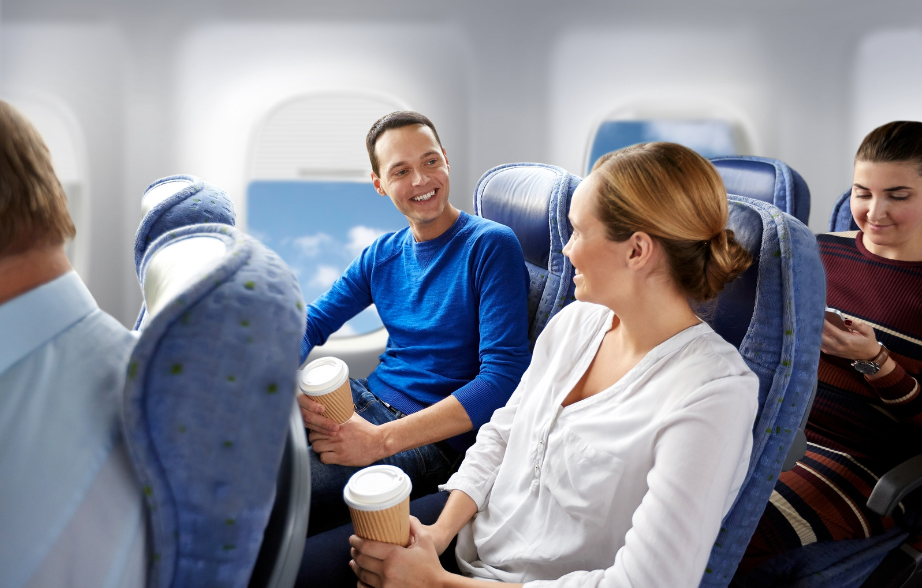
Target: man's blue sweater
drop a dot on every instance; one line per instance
(455, 311)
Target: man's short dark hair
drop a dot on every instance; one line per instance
(33, 206)
(394, 120)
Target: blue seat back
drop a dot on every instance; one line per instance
(841, 219)
(533, 199)
(208, 399)
(768, 180)
(784, 292)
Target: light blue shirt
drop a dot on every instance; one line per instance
(71, 510)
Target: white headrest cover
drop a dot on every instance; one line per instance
(176, 267)
(159, 193)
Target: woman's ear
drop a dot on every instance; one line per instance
(641, 252)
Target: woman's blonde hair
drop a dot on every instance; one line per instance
(677, 197)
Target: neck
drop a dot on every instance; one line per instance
(911, 251)
(652, 316)
(435, 228)
(21, 272)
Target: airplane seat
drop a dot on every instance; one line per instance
(780, 299)
(711, 137)
(768, 180)
(841, 219)
(173, 202)
(533, 199)
(773, 313)
(211, 423)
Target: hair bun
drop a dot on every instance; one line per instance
(726, 260)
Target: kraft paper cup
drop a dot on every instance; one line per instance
(326, 380)
(379, 502)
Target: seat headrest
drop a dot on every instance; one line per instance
(709, 137)
(532, 199)
(841, 218)
(209, 392)
(178, 201)
(768, 180)
(177, 266)
(736, 304)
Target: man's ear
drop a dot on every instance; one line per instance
(376, 182)
(445, 155)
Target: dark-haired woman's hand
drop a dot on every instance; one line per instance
(859, 342)
(382, 565)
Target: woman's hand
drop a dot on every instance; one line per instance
(860, 342)
(382, 565)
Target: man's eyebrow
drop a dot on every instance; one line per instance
(893, 189)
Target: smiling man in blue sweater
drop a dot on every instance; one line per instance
(451, 290)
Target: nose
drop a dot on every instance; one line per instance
(566, 248)
(877, 209)
(419, 177)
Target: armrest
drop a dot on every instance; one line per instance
(895, 485)
(799, 443)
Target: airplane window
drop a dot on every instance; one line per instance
(710, 138)
(310, 197)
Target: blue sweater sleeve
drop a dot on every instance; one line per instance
(501, 283)
(349, 295)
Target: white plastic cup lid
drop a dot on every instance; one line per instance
(323, 375)
(377, 487)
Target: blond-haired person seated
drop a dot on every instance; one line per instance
(629, 436)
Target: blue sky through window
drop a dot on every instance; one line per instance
(318, 228)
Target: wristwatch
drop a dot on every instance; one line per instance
(869, 367)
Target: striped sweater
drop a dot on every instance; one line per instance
(857, 429)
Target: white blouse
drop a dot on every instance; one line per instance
(625, 488)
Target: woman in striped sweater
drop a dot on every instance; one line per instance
(868, 410)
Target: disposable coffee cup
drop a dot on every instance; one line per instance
(326, 380)
(379, 502)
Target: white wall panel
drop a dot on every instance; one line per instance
(887, 81)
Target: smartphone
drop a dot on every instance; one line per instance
(836, 318)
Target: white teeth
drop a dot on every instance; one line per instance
(423, 197)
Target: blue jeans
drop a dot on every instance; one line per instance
(428, 466)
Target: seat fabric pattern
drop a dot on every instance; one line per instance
(207, 403)
(781, 345)
(533, 199)
(199, 202)
(841, 219)
(768, 180)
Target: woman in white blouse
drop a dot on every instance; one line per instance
(629, 436)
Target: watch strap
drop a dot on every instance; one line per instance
(881, 356)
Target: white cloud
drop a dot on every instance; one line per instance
(325, 276)
(309, 245)
(361, 237)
